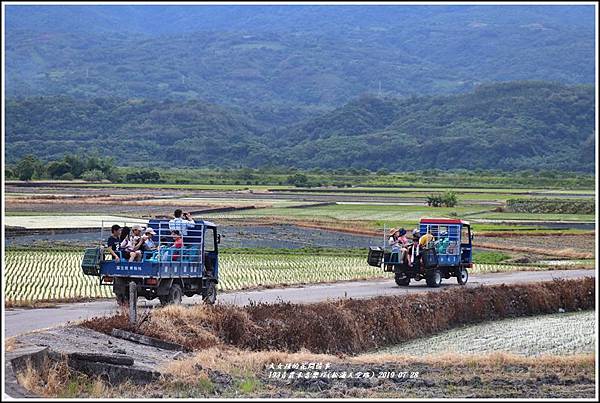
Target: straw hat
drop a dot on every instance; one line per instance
(392, 231)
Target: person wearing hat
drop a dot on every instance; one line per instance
(395, 243)
(148, 244)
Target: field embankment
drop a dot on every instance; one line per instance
(353, 326)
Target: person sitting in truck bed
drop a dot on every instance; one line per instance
(113, 241)
(127, 246)
(398, 242)
(413, 247)
(177, 244)
(147, 245)
(181, 224)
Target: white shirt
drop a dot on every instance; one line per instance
(181, 225)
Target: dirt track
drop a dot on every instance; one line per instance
(19, 321)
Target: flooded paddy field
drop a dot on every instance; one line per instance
(239, 236)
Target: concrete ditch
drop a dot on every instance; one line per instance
(86, 351)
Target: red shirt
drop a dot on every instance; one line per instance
(177, 244)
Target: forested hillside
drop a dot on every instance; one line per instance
(132, 131)
(503, 126)
(506, 126)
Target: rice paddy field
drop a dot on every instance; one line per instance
(42, 275)
(554, 334)
(31, 276)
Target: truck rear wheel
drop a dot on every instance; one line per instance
(209, 296)
(175, 295)
(463, 276)
(434, 279)
(402, 281)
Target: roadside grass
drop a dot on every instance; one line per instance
(54, 379)
(187, 381)
(231, 359)
(346, 326)
(248, 385)
(10, 343)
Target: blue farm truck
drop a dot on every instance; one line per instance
(167, 273)
(443, 249)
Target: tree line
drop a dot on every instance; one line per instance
(71, 167)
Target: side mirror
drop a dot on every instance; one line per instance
(472, 236)
(218, 238)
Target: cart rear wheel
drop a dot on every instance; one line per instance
(175, 295)
(434, 279)
(209, 296)
(463, 276)
(402, 281)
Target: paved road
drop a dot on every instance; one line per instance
(19, 321)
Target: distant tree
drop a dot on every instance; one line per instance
(9, 173)
(56, 169)
(298, 180)
(95, 175)
(247, 174)
(143, 176)
(26, 167)
(78, 165)
(383, 172)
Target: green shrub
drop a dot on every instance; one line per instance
(448, 199)
(95, 175)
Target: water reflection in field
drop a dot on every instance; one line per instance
(257, 236)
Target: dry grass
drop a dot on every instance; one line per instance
(353, 326)
(10, 344)
(233, 360)
(49, 380)
(56, 379)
